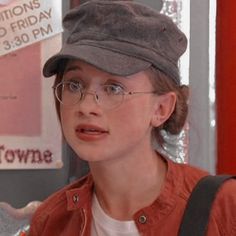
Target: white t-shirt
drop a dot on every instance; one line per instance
(104, 225)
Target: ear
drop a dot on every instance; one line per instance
(165, 105)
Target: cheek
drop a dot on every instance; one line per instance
(66, 116)
(134, 117)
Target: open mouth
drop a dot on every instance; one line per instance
(90, 132)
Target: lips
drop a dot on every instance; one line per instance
(87, 132)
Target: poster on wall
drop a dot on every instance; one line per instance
(30, 32)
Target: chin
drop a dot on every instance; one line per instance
(90, 154)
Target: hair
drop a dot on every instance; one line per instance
(163, 84)
(59, 76)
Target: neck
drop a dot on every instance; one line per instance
(121, 184)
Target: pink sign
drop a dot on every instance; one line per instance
(20, 92)
(30, 135)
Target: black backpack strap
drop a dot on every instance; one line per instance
(196, 215)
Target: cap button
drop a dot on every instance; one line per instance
(142, 219)
(75, 198)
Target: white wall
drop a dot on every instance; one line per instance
(202, 140)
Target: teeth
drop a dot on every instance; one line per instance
(89, 130)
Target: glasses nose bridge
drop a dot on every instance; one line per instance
(91, 92)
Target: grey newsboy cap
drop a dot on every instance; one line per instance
(121, 38)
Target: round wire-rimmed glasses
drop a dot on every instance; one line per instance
(69, 93)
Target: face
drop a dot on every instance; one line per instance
(98, 133)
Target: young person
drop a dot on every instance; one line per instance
(117, 86)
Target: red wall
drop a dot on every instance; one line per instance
(226, 86)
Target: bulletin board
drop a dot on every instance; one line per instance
(30, 136)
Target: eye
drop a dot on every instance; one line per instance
(114, 89)
(73, 86)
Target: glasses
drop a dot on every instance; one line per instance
(69, 93)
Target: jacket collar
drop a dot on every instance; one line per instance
(81, 194)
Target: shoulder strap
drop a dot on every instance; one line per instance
(196, 215)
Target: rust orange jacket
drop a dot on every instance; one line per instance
(68, 212)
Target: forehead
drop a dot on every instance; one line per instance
(89, 72)
(78, 66)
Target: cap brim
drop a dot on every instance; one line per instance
(107, 60)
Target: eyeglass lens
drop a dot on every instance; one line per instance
(69, 94)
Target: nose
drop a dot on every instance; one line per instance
(88, 104)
